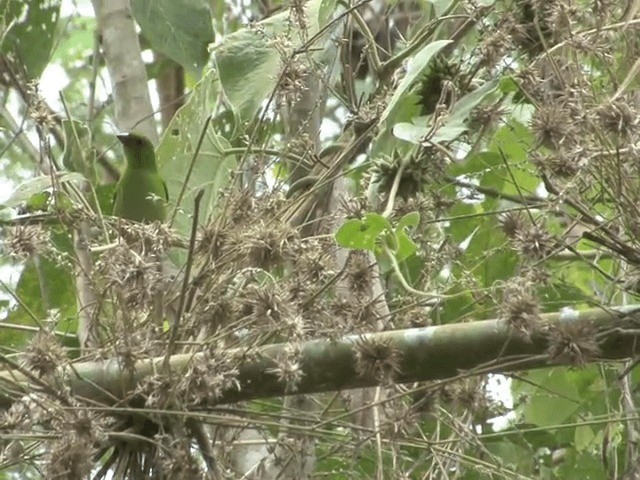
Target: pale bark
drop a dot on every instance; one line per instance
(119, 40)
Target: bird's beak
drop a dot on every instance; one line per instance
(123, 137)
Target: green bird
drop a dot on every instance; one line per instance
(141, 194)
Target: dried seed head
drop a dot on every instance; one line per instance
(512, 223)
(400, 419)
(209, 376)
(533, 241)
(313, 259)
(29, 410)
(493, 47)
(620, 117)
(520, 308)
(23, 241)
(531, 84)
(560, 163)
(138, 278)
(421, 203)
(266, 246)
(210, 241)
(147, 238)
(176, 459)
(377, 358)
(573, 342)
(38, 109)
(353, 207)
(536, 274)
(44, 354)
(71, 456)
(215, 311)
(262, 303)
(468, 393)
(552, 125)
(289, 369)
(358, 272)
(356, 313)
(294, 76)
(486, 116)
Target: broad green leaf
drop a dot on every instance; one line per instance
(77, 41)
(209, 171)
(554, 402)
(241, 59)
(409, 132)
(417, 66)
(440, 6)
(27, 32)
(584, 437)
(250, 64)
(455, 124)
(327, 11)
(514, 141)
(182, 30)
(463, 107)
(362, 234)
(43, 285)
(37, 185)
(580, 465)
(508, 85)
(488, 256)
(512, 455)
(477, 163)
(411, 219)
(38, 202)
(461, 221)
(406, 246)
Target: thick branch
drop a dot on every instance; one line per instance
(431, 353)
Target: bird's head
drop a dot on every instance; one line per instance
(138, 149)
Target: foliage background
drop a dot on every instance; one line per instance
(484, 154)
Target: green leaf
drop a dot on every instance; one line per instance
(77, 41)
(463, 107)
(418, 65)
(390, 241)
(455, 123)
(327, 11)
(514, 456)
(477, 163)
(515, 141)
(181, 30)
(584, 437)
(36, 185)
(410, 219)
(508, 85)
(30, 30)
(211, 169)
(362, 234)
(249, 63)
(553, 398)
(38, 202)
(43, 285)
(406, 246)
